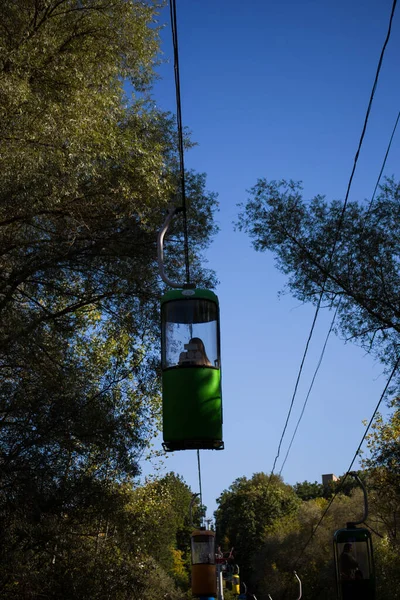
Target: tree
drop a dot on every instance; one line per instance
(347, 258)
(285, 548)
(383, 443)
(307, 490)
(360, 278)
(246, 510)
(159, 513)
(87, 174)
(272, 543)
(383, 464)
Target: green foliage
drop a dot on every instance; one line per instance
(346, 485)
(246, 510)
(267, 559)
(307, 490)
(106, 547)
(387, 559)
(362, 282)
(160, 512)
(87, 174)
(286, 541)
(383, 443)
(363, 279)
(384, 479)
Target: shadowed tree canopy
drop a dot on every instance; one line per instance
(87, 175)
(363, 278)
(246, 510)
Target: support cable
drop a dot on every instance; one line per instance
(174, 28)
(337, 308)
(337, 233)
(310, 388)
(199, 471)
(383, 165)
(373, 530)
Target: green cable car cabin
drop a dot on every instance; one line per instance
(191, 370)
(354, 562)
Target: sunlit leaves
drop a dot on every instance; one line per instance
(87, 174)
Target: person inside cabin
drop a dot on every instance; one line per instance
(348, 563)
(195, 354)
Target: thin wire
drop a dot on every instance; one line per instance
(372, 94)
(337, 309)
(296, 385)
(383, 164)
(174, 28)
(337, 233)
(311, 387)
(373, 530)
(352, 462)
(199, 471)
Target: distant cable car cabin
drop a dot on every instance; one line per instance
(354, 560)
(354, 563)
(191, 370)
(204, 574)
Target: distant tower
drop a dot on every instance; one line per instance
(326, 479)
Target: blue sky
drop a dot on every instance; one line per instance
(279, 89)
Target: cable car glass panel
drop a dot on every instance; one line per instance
(360, 554)
(354, 564)
(203, 549)
(190, 334)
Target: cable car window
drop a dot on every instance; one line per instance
(203, 549)
(190, 334)
(354, 560)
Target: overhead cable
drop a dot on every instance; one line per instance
(174, 28)
(337, 233)
(383, 164)
(199, 471)
(310, 388)
(337, 308)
